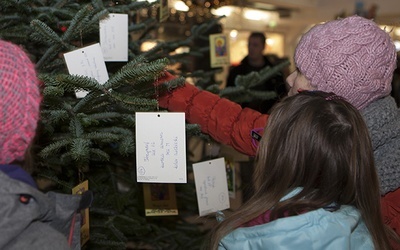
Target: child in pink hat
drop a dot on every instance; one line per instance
(30, 219)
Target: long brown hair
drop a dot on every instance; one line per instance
(319, 142)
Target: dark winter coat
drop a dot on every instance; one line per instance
(276, 83)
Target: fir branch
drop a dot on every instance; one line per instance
(138, 5)
(55, 179)
(262, 95)
(130, 102)
(57, 63)
(61, 3)
(103, 137)
(117, 130)
(59, 12)
(17, 33)
(55, 116)
(94, 21)
(268, 72)
(137, 70)
(105, 115)
(101, 155)
(54, 148)
(109, 244)
(83, 102)
(84, 22)
(44, 34)
(53, 91)
(127, 146)
(79, 149)
(117, 233)
(78, 82)
(49, 54)
(172, 84)
(75, 127)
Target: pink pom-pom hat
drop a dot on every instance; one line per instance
(19, 102)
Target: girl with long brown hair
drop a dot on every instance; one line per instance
(316, 186)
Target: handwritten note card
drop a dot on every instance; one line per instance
(160, 147)
(211, 186)
(114, 37)
(87, 61)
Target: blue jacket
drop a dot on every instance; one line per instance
(318, 229)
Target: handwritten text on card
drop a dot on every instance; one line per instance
(160, 147)
(211, 186)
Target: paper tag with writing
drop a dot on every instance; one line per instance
(87, 61)
(211, 186)
(79, 189)
(160, 147)
(219, 50)
(114, 37)
(160, 199)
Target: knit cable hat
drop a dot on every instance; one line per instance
(351, 57)
(19, 102)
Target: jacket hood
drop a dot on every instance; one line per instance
(318, 229)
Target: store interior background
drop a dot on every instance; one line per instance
(283, 21)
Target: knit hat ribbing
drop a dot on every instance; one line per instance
(352, 57)
(19, 102)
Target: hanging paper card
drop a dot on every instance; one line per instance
(164, 11)
(160, 147)
(80, 189)
(160, 199)
(114, 37)
(219, 50)
(230, 177)
(87, 61)
(211, 186)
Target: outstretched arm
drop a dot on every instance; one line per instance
(225, 121)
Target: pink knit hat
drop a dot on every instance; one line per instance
(351, 57)
(19, 102)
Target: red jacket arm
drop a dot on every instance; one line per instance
(225, 121)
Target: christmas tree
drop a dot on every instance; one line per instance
(92, 138)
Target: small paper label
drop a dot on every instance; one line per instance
(80, 189)
(160, 199)
(164, 10)
(219, 50)
(230, 177)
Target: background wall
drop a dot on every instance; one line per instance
(296, 17)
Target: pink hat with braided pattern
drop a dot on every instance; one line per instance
(351, 57)
(19, 102)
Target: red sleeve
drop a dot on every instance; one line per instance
(225, 121)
